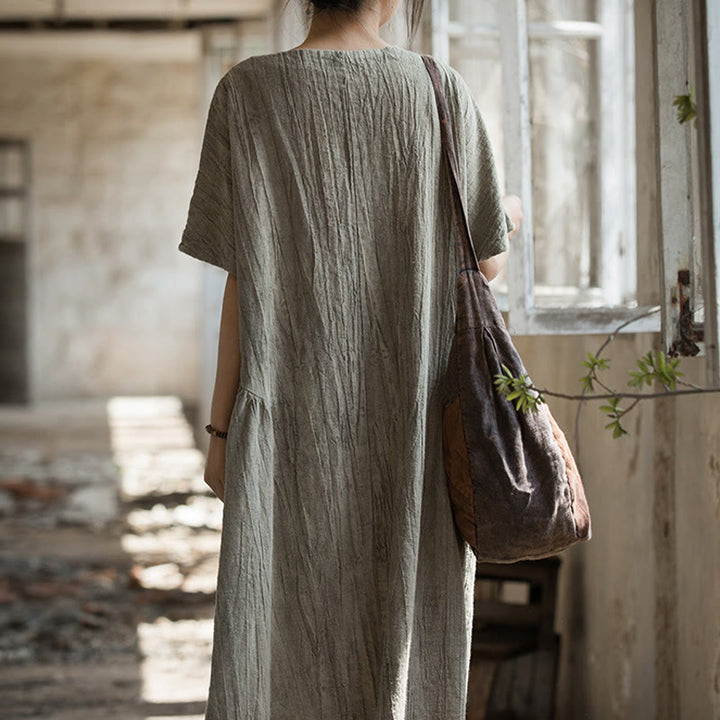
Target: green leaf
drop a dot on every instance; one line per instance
(508, 372)
(686, 107)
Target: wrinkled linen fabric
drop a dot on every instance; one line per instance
(344, 589)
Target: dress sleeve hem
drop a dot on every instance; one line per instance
(200, 251)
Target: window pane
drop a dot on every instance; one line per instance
(11, 218)
(478, 61)
(544, 11)
(474, 11)
(565, 140)
(12, 168)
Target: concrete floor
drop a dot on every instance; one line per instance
(108, 561)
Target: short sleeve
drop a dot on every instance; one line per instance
(209, 230)
(487, 217)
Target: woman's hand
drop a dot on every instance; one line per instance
(215, 466)
(513, 206)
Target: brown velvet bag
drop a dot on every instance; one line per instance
(515, 489)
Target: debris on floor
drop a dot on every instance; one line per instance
(108, 560)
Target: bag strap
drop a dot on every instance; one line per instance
(466, 251)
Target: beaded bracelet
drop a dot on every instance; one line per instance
(216, 433)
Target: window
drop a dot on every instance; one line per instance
(555, 82)
(709, 26)
(688, 38)
(15, 190)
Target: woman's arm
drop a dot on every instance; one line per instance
(493, 265)
(227, 379)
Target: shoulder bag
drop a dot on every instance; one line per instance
(514, 486)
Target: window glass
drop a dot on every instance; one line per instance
(545, 11)
(564, 114)
(474, 11)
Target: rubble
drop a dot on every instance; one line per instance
(103, 535)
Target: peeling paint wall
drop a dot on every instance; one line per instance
(639, 603)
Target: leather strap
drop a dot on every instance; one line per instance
(466, 251)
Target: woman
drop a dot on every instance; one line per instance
(344, 590)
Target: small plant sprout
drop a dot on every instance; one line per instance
(651, 367)
(520, 389)
(656, 367)
(686, 107)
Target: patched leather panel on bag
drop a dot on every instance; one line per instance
(581, 511)
(457, 471)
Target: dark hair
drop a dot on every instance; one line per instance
(413, 10)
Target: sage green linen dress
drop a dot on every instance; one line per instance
(344, 590)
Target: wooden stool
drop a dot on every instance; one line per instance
(515, 650)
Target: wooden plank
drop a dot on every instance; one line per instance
(523, 692)
(500, 613)
(525, 687)
(531, 570)
(500, 643)
(667, 619)
(546, 676)
(501, 689)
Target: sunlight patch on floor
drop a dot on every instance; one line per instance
(175, 665)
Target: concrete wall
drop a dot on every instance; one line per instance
(113, 126)
(638, 607)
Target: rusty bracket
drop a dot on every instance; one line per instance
(690, 332)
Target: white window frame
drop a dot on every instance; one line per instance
(528, 313)
(688, 53)
(709, 112)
